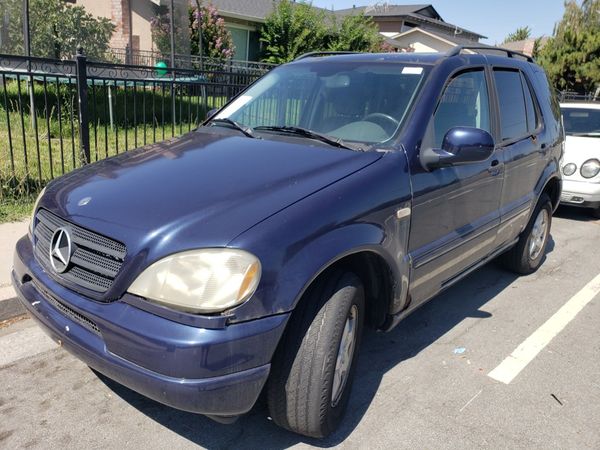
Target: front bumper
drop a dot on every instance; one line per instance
(580, 193)
(216, 372)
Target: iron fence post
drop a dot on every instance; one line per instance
(82, 95)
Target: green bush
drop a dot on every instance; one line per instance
(129, 106)
(293, 29)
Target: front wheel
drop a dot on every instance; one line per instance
(526, 257)
(596, 213)
(312, 371)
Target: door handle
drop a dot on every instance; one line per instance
(495, 168)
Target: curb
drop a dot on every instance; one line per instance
(11, 308)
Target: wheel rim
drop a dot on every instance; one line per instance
(344, 356)
(539, 232)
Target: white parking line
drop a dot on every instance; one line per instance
(530, 347)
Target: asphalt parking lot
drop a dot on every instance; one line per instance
(426, 384)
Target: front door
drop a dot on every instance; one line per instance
(455, 211)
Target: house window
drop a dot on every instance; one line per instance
(240, 41)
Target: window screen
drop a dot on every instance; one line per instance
(513, 118)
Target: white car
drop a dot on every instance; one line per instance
(581, 160)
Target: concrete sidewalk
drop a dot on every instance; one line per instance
(10, 233)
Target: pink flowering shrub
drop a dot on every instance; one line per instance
(216, 39)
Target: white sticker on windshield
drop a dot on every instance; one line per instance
(412, 71)
(235, 105)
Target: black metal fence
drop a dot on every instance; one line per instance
(58, 115)
(151, 58)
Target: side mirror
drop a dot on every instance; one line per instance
(461, 145)
(211, 113)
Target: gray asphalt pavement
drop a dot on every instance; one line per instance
(424, 385)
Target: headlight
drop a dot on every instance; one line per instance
(569, 169)
(200, 281)
(35, 207)
(590, 168)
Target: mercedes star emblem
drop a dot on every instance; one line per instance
(60, 250)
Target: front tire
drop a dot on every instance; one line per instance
(526, 257)
(596, 213)
(312, 371)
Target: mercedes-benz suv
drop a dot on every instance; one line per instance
(337, 192)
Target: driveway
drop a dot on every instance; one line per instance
(427, 384)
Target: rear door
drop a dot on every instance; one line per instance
(522, 152)
(455, 209)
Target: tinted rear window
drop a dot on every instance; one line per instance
(513, 118)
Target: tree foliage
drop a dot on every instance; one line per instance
(357, 33)
(520, 34)
(291, 30)
(57, 29)
(571, 57)
(296, 28)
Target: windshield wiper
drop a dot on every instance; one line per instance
(247, 131)
(335, 142)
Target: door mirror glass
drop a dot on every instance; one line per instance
(461, 145)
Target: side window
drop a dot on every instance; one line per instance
(513, 116)
(465, 103)
(532, 118)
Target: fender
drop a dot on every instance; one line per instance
(356, 214)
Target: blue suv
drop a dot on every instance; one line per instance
(337, 192)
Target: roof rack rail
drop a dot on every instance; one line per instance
(510, 53)
(324, 53)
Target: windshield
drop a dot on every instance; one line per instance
(581, 121)
(351, 101)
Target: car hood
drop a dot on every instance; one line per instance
(199, 190)
(578, 149)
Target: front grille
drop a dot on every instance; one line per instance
(95, 259)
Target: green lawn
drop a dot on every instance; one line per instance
(12, 210)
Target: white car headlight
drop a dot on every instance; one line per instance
(35, 207)
(569, 169)
(590, 168)
(200, 281)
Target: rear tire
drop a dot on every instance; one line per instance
(526, 257)
(312, 371)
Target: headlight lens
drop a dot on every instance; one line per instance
(35, 207)
(200, 281)
(569, 169)
(590, 168)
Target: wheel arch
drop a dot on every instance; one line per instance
(376, 274)
(550, 182)
(553, 188)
